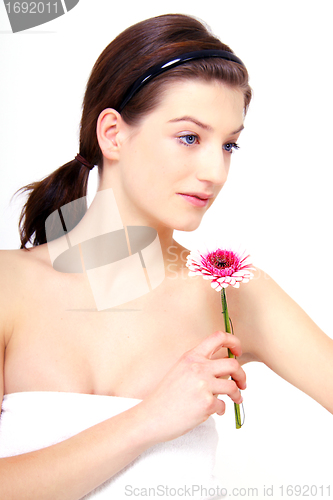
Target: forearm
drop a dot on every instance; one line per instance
(72, 468)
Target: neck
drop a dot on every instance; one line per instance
(106, 215)
(129, 214)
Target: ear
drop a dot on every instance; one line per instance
(107, 130)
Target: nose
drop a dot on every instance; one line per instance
(214, 166)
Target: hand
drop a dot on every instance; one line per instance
(187, 395)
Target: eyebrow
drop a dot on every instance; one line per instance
(200, 124)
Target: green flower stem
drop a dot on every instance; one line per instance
(230, 354)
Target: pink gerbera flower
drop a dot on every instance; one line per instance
(222, 267)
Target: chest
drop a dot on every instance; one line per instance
(62, 343)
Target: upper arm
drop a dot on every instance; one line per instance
(2, 357)
(276, 331)
(7, 304)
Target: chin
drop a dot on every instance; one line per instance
(187, 226)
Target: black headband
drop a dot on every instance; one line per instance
(172, 63)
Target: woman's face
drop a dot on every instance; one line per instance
(181, 149)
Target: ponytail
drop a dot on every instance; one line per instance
(66, 184)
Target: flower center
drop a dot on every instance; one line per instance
(218, 261)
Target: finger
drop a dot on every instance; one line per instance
(229, 367)
(228, 387)
(220, 406)
(215, 341)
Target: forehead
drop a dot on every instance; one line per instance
(213, 102)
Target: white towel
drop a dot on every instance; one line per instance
(179, 468)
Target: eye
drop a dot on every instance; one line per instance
(188, 139)
(230, 147)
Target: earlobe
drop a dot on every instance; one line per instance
(107, 130)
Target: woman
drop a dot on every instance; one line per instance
(147, 372)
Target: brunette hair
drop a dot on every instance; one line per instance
(125, 59)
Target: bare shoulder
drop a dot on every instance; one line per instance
(17, 261)
(262, 307)
(264, 316)
(17, 268)
(258, 309)
(11, 268)
(249, 302)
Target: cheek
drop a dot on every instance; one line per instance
(153, 161)
(145, 156)
(143, 178)
(228, 163)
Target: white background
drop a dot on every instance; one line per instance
(277, 202)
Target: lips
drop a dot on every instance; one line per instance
(196, 199)
(201, 196)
